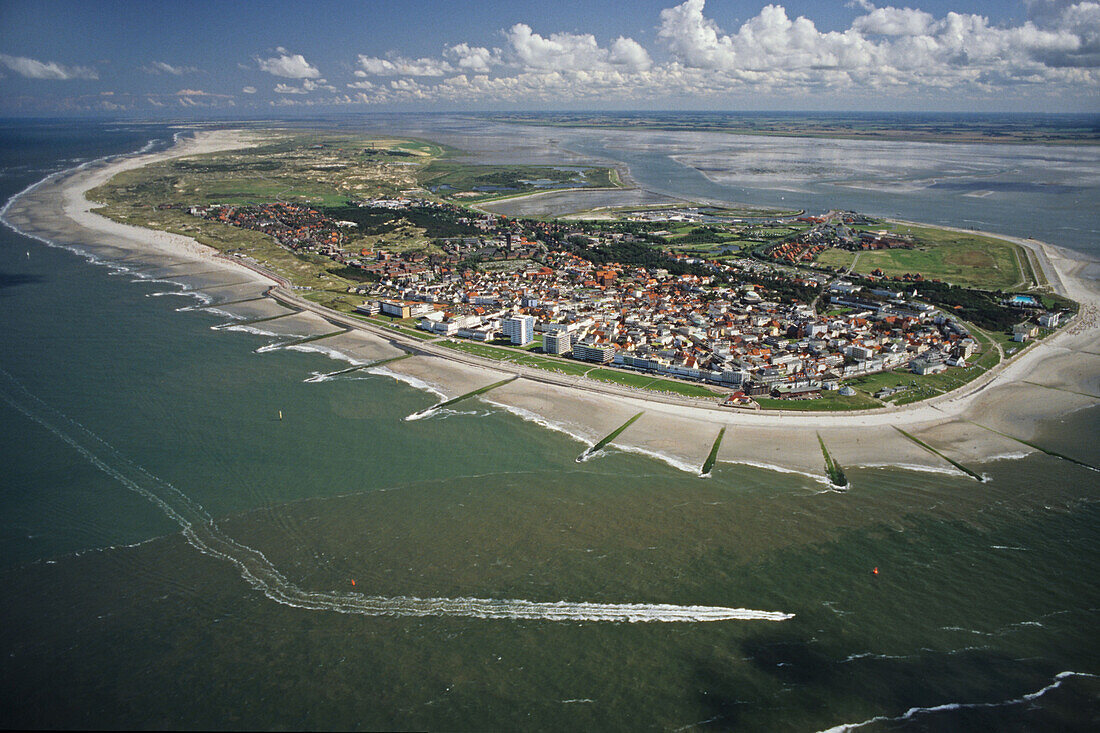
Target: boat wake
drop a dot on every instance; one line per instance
(202, 532)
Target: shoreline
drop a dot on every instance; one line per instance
(755, 437)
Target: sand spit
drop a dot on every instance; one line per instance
(1048, 379)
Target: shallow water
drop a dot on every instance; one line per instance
(1049, 192)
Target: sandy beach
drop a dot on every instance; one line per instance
(978, 422)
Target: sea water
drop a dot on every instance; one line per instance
(982, 613)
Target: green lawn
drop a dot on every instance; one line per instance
(830, 401)
(244, 190)
(959, 258)
(648, 381)
(576, 368)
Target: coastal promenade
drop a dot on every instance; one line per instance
(958, 397)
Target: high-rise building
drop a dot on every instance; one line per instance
(600, 354)
(559, 342)
(520, 329)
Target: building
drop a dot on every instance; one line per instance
(599, 354)
(394, 308)
(1050, 320)
(559, 342)
(1023, 331)
(520, 329)
(371, 308)
(926, 366)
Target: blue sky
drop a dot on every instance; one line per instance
(249, 58)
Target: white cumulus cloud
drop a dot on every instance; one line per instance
(161, 67)
(573, 51)
(33, 69)
(288, 65)
(282, 88)
(400, 66)
(900, 52)
(477, 59)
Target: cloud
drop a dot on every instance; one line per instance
(308, 85)
(288, 66)
(160, 67)
(885, 47)
(894, 22)
(628, 53)
(400, 66)
(476, 59)
(32, 69)
(891, 51)
(192, 93)
(573, 51)
(249, 90)
(281, 88)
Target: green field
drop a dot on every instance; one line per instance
(301, 167)
(648, 381)
(829, 401)
(920, 387)
(959, 258)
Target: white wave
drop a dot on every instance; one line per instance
(947, 470)
(317, 377)
(1010, 456)
(108, 548)
(329, 351)
(663, 457)
(184, 293)
(244, 328)
(976, 632)
(213, 310)
(948, 707)
(539, 420)
(819, 478)
(871, 655)
(407, 379)
(1008, 547)
(422, 414)
(202, 532)
(139, 278)
(92, 258)
(196, 294)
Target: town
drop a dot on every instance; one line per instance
(749, 326)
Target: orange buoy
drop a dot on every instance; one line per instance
(874, 572)
(353, 580)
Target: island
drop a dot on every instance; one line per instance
(691, 331)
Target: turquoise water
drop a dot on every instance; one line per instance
(986, 592)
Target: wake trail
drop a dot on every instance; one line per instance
(202, 532)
